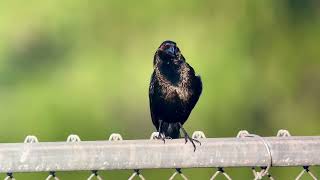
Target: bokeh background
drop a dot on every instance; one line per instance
(84, 67)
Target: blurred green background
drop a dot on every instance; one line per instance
(84, 67)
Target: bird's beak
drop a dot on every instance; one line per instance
(171, 51)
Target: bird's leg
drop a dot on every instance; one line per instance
(187, 137)
(160, 135)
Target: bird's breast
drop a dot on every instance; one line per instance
(176, 93)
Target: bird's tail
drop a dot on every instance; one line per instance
(171, 130)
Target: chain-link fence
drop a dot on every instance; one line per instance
(245, 150)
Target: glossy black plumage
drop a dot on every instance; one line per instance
(174, 90)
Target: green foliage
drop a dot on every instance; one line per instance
(84, 67)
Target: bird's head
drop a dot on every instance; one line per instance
(168, 52)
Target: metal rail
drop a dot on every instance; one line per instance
(142, 154)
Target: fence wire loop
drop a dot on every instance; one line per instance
(304, 171)
(115, 137)
(283, 133)
(136, 173)
(73, 138)
(31, 139)
(260, 174)
(178, 171)
(9, 176)
(243, 133)
(264, 171)
(94, 174)
(154, 136)
(52, 175)
(220, 170)
(198, 135)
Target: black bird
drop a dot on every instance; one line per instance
(174, 91)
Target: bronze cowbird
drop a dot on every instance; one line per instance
(174, 91)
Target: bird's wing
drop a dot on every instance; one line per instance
(153, 101)
(196, 85)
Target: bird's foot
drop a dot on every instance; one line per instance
(162, 137)
(192, 140)
(159, 136)
(187, 137)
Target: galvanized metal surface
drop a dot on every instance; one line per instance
(140, 154)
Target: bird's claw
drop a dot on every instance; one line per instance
(162, 137)
(159, 136)
(192, 140)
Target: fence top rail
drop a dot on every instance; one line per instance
(141, 154)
